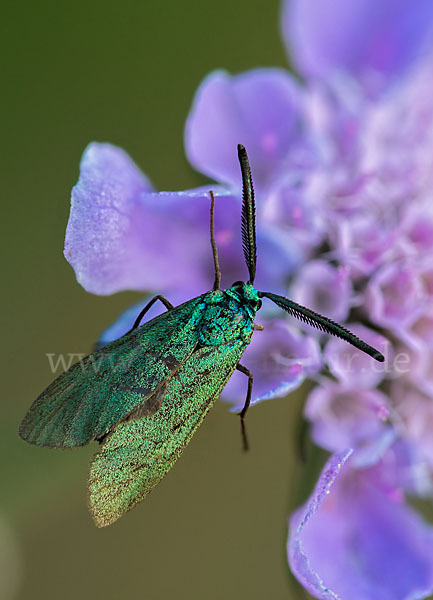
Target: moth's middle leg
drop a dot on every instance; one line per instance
(243, 412)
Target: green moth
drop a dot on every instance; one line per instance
(143, 396)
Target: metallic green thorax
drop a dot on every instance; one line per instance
(143, 396)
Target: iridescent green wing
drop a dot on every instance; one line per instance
(138, 453)
(86, 401)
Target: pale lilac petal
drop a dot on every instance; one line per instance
(412, 362)
(426, 274)
(279, 358)
(102, 204)
(402, 121)
(363, 242)
(122, 236)
(373, 41)
(403, 470)
(354, 368)
(292, 206)
(415, 417)
(344, 417)
(353, 539)
(259, 109)
(417, 225)
(299, 559)
(323, 288)
(394, 295)
(421, 329)
(334, 112)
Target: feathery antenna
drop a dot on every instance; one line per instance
(322, 323)
(248, 224)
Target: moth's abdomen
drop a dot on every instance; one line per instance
(140, 451)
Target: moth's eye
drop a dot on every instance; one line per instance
(259, 305)
(237, 283)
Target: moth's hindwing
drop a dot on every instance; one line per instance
(138, 453)
(86, 401)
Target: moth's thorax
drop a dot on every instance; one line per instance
(227, 315)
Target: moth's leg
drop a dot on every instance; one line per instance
(248, 373)
(168, 305)
(243, 412)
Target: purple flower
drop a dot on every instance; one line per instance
(356, 537)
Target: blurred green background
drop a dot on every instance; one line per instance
(124, 73)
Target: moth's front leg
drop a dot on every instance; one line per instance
(243, 412)
(168, 305)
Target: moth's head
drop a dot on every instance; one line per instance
(247, 294)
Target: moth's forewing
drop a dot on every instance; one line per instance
(86, 401)
(138, 453)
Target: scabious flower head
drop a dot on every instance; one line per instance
(343, 168)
